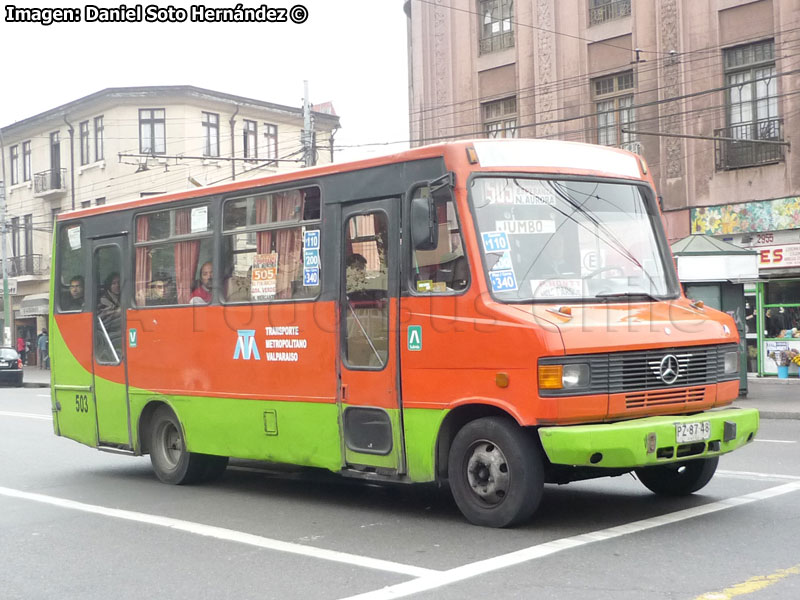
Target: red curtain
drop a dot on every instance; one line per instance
(263, 238)
(186, 255)
(288, 242)
(142, 260)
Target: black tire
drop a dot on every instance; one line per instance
(495, 472)
(19, 382)
(171, 462)
(678, 479)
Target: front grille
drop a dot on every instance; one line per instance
(664, 398)
(641, 371)
(629, 371)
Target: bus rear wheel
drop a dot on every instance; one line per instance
(496, 472)
(171, 461)
(678, 479)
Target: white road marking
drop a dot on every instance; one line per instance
(776, 441)
(4, 413)
(756, 475)
(442, 578)
(42, 395)
(224, 534)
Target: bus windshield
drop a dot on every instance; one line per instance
(551, 240)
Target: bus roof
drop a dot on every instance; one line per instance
(495, 154)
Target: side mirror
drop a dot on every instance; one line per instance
(424, 224)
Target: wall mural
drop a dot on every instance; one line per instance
(747, 217)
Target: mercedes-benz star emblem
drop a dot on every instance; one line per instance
(669, 369)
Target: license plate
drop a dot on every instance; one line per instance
(3, 363)
(692, 432)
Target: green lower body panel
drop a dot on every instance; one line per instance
(647, 441)
(299, 433)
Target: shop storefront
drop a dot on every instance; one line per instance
(772, 301)
(30, 319)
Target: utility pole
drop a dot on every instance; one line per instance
(308, 129)
(6, 337)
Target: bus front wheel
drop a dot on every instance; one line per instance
(496, 473)
(171, 461)
(678, 479)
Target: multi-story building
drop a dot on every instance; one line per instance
(706, 92)
(124, 143)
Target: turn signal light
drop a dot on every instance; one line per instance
(551, 377)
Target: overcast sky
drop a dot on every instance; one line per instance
(352, 52)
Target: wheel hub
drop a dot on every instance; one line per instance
(487, 472)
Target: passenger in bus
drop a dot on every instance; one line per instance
(108, 305)
(74, 299)
(161, 291)
(202, 291)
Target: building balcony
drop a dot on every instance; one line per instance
(609, 11)
(633, 146)
(498, 42)
(51, 184)
(27, 264)
(741, 147)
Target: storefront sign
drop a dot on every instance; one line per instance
(778, 257)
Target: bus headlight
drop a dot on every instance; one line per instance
(575, 375)
(731, 362)
(564, 377)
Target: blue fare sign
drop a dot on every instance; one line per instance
(310, 277)
(311, 259)
(503, 281)
(495, 241)
(311, 240)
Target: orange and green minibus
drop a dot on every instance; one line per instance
(493, 314)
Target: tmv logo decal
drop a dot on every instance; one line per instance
(246, 345)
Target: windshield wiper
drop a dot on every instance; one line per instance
(636, 294)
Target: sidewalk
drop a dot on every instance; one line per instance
(774, 398)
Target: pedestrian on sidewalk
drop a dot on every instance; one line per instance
(21, 349)
(41, 345)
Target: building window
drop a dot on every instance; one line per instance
(86, 204)
(98, 138)
(26, 161)
(616, 115)
(84, 129)
(751, 109)
(53, 214)
(14, 153)
(601, 11)
(496, 25)
(152, 131)
(15, 236)
(99, 201)
(271, 140)
(500, 118)
(211, 133)
(250, 139)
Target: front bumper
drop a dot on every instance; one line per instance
(630, 444)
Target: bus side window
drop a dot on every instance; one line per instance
(71, 260)
(366, 285)
(444, 269)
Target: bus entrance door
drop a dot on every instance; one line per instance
(108, 335)
(369, 400)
